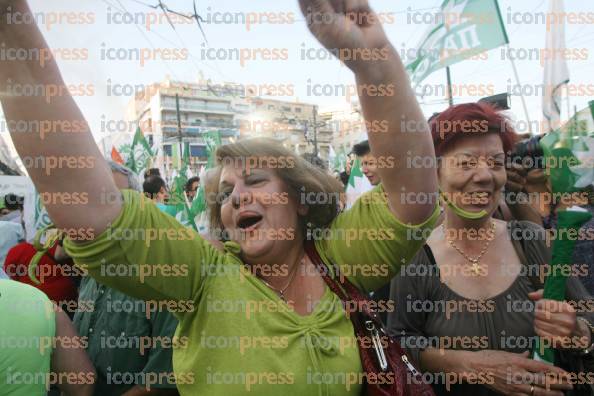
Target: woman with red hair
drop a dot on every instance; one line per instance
(470, 304)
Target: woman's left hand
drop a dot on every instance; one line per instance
(557, 322)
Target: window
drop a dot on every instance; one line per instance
(217, 106)
(167, 150)
(197, 151)
(297, 109)
(270, 107)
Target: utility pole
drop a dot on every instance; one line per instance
(315, 124)
(179, 131)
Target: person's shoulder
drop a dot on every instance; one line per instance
(422, 265)
(22, 292)
(376, 196)
(10, 226)
(525, 224)
(526, 230)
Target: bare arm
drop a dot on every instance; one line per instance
(406, 131)
(71, 364)
(142, 391)
(395, 123)
(74, 196)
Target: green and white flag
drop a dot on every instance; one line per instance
(199, 206)
(140, 152)
(212, 140)
(570, 159)
(193, 214)
(463, 28)
(358, 184)
(178, 195)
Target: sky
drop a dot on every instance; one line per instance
(97, 28)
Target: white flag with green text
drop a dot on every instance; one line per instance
(462, 28)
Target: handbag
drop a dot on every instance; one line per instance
(388, 370)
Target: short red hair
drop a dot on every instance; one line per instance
(461, 120)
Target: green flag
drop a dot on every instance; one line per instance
(199, 205)
(560, 157)
(568, 223)
(569, 163)
(140, 152)
(139, 139)
(463, 28)
(177, 194)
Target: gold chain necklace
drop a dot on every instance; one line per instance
(476, 267)
(281, 291)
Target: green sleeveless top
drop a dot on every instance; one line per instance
(27, 328)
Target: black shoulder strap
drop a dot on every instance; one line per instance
(429, 254)
(520, 245)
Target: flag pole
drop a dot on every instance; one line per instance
(449, 79)
(568, 108)
(179, 130)
(521, 90)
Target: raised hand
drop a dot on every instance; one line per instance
(556, 321)
(349, 28)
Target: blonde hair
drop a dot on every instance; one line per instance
(302, 178)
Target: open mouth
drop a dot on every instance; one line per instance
(249, 221)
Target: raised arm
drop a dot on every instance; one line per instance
(395, 123)
(53, 133)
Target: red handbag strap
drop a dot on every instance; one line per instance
(344, 289)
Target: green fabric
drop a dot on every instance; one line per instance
(116, 328)
(563, 246)
(239, 328)
(27, 327)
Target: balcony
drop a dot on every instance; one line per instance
(210, 108)
(227, 129)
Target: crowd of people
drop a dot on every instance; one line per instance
(149, 306)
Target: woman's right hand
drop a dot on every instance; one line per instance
(346, 26)
(516, 374)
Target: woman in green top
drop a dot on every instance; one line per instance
(39, 346)
(256, 317)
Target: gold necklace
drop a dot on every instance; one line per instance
(476, 267)
(281, 291)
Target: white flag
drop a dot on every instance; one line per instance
(556, 72)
